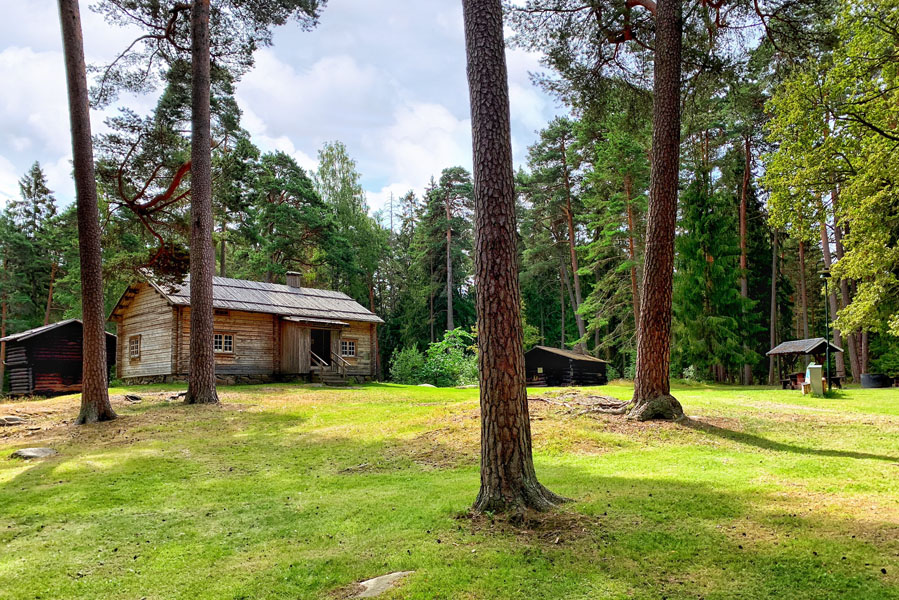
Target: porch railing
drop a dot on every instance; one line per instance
(341, 363)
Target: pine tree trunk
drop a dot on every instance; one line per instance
(744, 283)
(632, 252)
(95, 404)
(832, 301)
(571, 299)
(772, 329)
(562, 305)
(803, 296)
(375, 351)
(222, 270)
(449, 267)
(652, 391)
(572, 250)
(53, 268)
(851, 338)
(508, 478)
(201, 378)
(3, 317)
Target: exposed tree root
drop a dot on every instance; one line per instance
(582, 404)
(663, 407)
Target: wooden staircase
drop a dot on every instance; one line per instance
(333, 374)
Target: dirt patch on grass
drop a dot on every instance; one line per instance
(550, 528)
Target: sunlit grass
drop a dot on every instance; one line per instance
(291, 491)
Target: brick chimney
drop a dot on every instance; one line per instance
(294, 279)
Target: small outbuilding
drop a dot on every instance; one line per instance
(789, 353)
(47, 360)
(555, 367)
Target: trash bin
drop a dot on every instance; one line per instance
(813, 376)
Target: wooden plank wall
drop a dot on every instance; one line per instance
(296, 342)
(361, 333)
(150, 316)
(254, 343)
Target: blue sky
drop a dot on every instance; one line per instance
(385, 78)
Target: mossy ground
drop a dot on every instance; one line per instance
(290, 491)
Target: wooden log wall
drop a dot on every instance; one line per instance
(254, 342)
(150, 316)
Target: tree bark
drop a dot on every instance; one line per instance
(744, 280)
(3, 316)
(201, 379)
(449, 266)
(508, 479)
(53, 268)
(772, 329)
(95, 404)
(652, 390)
(832, 301)
(562, 305)
(851, 338)
(375, 351)
(572, 250)
(222, 252)
(632, 252)
(803, 295)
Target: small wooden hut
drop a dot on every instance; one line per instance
(554, 367)
(789, 352)
(47, 360)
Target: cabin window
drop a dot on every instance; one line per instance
(134, 347)
(223, 343)
(348, 347)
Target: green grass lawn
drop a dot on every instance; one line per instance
(289, 491)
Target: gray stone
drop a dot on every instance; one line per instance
(11, 420)
(426, 385)
(379, 585)
(133, 398)
(29, 453)
(467, 387)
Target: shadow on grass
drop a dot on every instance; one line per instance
(766, 444)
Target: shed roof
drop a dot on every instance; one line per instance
(20, 337)
(809, 346)
(271, 298)
(570, 354)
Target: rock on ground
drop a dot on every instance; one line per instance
(11, 420)
(29, 453)
(426, 385)
(379, 585)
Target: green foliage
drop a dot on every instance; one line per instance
(448, 362)
(407, 366)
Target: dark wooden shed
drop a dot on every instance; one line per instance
(552, 366)
(47, 360)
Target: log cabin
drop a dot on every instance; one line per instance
(262, 332)
(46, 361)
(551, 366)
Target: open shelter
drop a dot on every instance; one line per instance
(789, 353)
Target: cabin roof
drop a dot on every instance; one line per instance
(570, 354)
(270, 298)
(809, 346)
(25, 335)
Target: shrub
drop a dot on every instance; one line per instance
(407, 366)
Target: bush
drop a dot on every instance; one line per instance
(449, 362)
(407, 366)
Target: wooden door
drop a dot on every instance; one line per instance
(294, 348)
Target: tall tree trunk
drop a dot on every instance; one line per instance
(772, 329)
(571, 299)
(562, 305)
(95, 404)
(449, 266)
(632, 251)
(803, 295)
(222, 251)
(53, 267)
(652, 390)
(508, 478)
(832, 299)
(572, 250)
(431, 301)
(851, 338)
(201, 379)
(375, 350)
(3, 316)
(744, 274)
